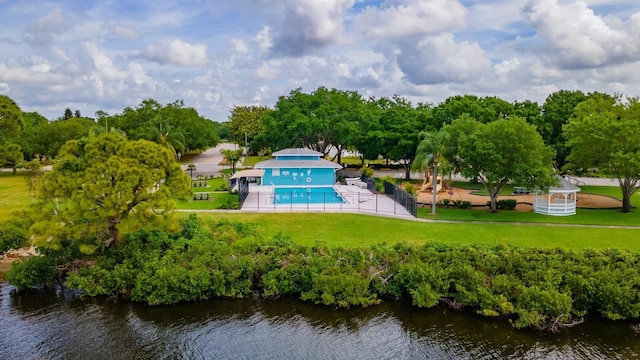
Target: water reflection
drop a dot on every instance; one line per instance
(59, 325)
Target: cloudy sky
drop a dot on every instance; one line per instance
(214, 54)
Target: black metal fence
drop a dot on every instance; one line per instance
(402, 197)
(243, 190)
(344, 199)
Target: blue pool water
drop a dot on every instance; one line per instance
(310, 195)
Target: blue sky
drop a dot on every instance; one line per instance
(106, 55)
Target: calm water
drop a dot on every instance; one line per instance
(58, 325)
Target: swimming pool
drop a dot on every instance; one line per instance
(307, 195)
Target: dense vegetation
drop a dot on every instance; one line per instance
(540, 288)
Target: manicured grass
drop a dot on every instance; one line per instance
(250, 161)
(14, 193)
(353, 230)
(215, 184)
(216, 201)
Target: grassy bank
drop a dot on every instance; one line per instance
(14, 193)
(353, 230)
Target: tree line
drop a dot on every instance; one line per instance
(488, 139)
(25, 136)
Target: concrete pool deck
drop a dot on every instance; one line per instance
(357, 200)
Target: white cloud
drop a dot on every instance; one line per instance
(306, 26)
(177, 52)
(396, 19)
(239, 46)
(263, 39)
(440, 59)
(578, 38)
(125, 31)
(42, 30)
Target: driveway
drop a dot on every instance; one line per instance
(207, 162)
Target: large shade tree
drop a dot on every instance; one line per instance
(401, 125)
(603, 134)
(323, 120)
(245, 123)
(99, 183)
(502, 152)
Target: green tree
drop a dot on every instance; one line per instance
(11, 119)
(505, 151)
(232, 157)
(322, 120)
(52, 136)
(245, 122)
(100, 183)
(484, 110)
(11, 153)
(400, 124)
(603, 134)
(556, 111)
(30, 138)
(68, 114)
(174, 124)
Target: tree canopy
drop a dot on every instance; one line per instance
(102, 182)
(175, 126)
(502, 152)
(603, 134)
(245, 122)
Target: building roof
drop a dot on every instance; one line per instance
(248, 173)
(317, 164)
(297, 152)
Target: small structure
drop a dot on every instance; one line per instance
(298, 167)
(250, 176)
(558, 200)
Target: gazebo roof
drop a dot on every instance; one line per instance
(565, 187)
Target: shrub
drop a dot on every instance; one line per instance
(11, 237)
(408, 187)
(505, 204)
(32, 272)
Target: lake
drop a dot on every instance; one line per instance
(60, 325)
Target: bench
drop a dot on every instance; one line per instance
(201, 196)
(199, 183)
(520, 190)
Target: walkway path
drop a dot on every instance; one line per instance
(207, 162)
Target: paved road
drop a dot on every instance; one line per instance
(207, 162)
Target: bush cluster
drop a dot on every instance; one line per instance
(505, 204)
(11, 237)
(539, 288)
(460, 204)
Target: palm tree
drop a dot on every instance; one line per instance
(430, 153)
(232, 156)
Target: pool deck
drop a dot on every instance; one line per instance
(357, 200)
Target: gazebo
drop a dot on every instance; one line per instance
(557, 200)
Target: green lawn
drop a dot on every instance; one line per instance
(215, 184)
(583, 216)
(216, 201)
(352, 230)
(14, 193)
